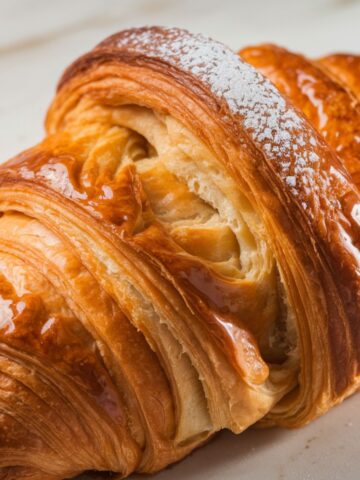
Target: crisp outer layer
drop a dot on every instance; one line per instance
(329, 106)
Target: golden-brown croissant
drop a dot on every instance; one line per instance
(179, 255)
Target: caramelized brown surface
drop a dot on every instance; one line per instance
(345, 68)
(327, 103)
(176, 257)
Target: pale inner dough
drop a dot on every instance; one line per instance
(202, 208)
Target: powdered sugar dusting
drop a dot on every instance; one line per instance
(276, 128)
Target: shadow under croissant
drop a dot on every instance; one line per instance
(224, 448)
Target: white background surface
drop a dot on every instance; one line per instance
(39, 38)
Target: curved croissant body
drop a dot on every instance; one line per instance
(179, 255)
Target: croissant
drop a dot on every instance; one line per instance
(179, 255)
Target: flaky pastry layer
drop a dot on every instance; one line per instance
(179, 255)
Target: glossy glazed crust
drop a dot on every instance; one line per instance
(179, 255)
(329, 104)
(345, 68)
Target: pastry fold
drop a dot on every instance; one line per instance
(179, 255)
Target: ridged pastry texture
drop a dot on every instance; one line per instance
(179, 255)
